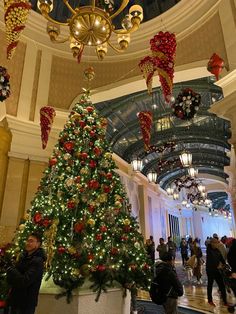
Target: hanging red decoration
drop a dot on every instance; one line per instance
(47, 115)
(163, 47)
(16, 14)
(147, 67)
(215, 65)
(145, 120)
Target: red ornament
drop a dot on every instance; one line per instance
(146, 266)
(77, 179)
(133, 267)
(124, 238)
(92, 133)
(92, 164)
(90, 256)
(46, 222)
(215, 65)
(90, 108)
(145, 120)
(98, 237)
(91, 208)
(71, 204)
(114, 251)
(69, 146)
(127, 228)
(106, 189)
(78, 227)
(103, 228)
(93, 184)
(61, 250)
(101, 267)
(47, 115)
(37, 218)
(109, 175)
(3, 304)
(52, 161)
(97, 151)
(82, 124)
(84, 155)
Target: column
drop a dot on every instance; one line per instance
(44, 82)
(27, 81)
(144, 211)
(197, 225)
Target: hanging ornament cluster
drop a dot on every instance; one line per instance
(145, 120)
(163, 47)
(186, 104)
(147, 67)
(16, 14)
(47, 115)
(4, 84)
(215, 65)
(166, 147)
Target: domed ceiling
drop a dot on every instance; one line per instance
(151, 8)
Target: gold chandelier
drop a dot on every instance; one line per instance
(92, 26)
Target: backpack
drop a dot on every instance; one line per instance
(157, 294)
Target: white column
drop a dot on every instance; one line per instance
(27, 81)
(44, 82)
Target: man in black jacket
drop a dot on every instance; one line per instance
(167, 278)
(25, 277)
(214, 261)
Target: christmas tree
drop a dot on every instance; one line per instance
(82, 211)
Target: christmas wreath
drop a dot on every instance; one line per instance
(187, 104)
(4, 84)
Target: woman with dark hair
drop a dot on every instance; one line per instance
(231, 257)
(197, 251)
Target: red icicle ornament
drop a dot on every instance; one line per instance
(145, 120)
(215, 65)
(47, 115)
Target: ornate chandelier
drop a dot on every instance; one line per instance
(92, 26)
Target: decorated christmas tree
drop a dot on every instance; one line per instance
(83, 214)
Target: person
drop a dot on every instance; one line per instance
(231, 257)
(150, 248)
(220, 246)
(197, 252)
(208, 240)
(25, 277)
(167, 278)
(184, 250)
(214, 260)
(171, 247)
(190, 244)
(162, 247)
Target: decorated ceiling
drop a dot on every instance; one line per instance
(205, 135)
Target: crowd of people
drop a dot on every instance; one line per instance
(219, 254)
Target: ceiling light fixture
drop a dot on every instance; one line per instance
(186, 159)
(152, 177)
(137, 164)
(92, 26)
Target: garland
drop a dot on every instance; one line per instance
(4, 84)
(187, 104)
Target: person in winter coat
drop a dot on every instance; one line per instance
(184, 250)
(166, 276)
(214, 261)
(197, 270)
(25, 277)
(231, 257)
(162, 248)
(171, 247)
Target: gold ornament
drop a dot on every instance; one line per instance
(118, 204)
(75, 272)
(89, 74)
(76, 116)
(84, 270)
(84, 171)
(69, 182)
(72, 250)
(91, 222)
(102, 198)
(21, 227)
(49, 242)
(126, 222)
(108, 155)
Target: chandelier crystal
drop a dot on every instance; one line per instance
(92, 26)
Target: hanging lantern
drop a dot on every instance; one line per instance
(184, 202)
(215, 65)
(201, 187)
(137, 164)
(152, 177)
(176, 195)
(186, 159)
(170, 191)
(193, 172)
